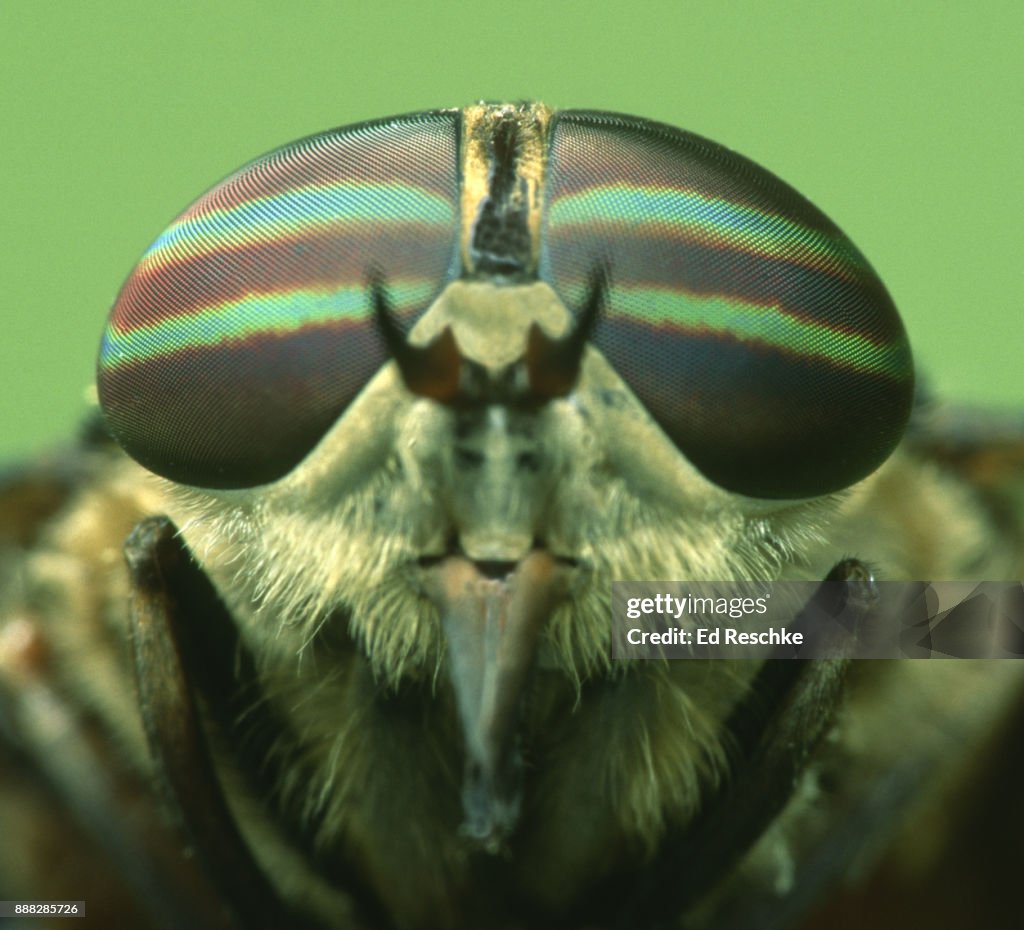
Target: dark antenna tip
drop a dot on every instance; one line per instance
(430, 371)
(383, 314)
(553, 365)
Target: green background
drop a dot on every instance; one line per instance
(901, 120)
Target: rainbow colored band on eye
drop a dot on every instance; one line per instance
(691, 216)
(767, 324)
(294, 214)
(277, 314)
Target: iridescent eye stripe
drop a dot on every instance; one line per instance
(294, 214)
(273, 314)
(320, 261)
(749, 322)
(710, 220)
(697, 272)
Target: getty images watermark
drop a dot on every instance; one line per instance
(817, 620)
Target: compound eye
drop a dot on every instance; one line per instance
(247, 327)
(755, 333)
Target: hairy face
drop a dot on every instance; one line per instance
(401, 482)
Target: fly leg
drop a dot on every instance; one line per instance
(775, 729)
(186, 644)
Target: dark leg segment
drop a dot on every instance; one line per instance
(789, 708)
